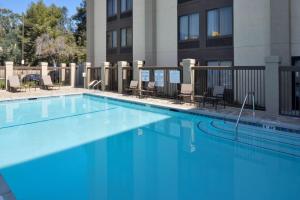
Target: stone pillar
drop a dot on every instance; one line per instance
(272, 84)
(73, 75)
(121, 65)
(104, 75)
(63, 72)
(44, 68)
(87, 74)
(189, 74)
(137, 65)
(9, 71)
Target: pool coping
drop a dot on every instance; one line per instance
(258, 122)
(266, 124)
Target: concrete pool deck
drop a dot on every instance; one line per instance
(228, 112)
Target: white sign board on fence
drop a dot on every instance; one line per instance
(174, 76)
(145, 74)
(159, 78)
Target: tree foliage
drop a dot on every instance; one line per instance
(49, 35)
(9, 36)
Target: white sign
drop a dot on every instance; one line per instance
(83, 75)
(145, 75)
(159, 78)
(174, 76)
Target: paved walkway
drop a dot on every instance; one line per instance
(228, 112)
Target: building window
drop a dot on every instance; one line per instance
(112, 39)
(189, 27)
(126, 37)
(111, 8)
(126, 5)
(219, 77)
(219, 22)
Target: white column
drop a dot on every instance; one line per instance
(137, 70)
(104, 75)
(44, 68)
(272, 84)
(73, 75)
(187, 65)
(63, 72)
(87, 74)
(9, 71)
(121, 65)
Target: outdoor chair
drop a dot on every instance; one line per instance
(215, 98)
(133, 87)
(46, 82)
(150, 90)
(14, 84)
(186, 91)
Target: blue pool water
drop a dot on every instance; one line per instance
(89, 148)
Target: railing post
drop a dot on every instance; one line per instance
(44, 68)
(137, 72)
(272, 84)
(104, 75)
(121, 65)
(9, 71)
(73, 75)
(62, 72)
(188, 73)
(87, 74)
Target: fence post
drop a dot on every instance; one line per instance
(188, 73)
(104, 75)
(73, 75)
(272, 84)
(63, 72)
(121, 65)
(44, 68)
(9, 71)
(87, 74)
(137, 72)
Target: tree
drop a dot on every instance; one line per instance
(41, 19)
(80, 24)
(9, 36)
(56, 49)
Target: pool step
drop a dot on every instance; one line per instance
(262, 138)
(5, 192)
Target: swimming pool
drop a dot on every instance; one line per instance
(83, 147)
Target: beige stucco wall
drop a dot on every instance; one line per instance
(139, 30)
(251, 31)
(96, 31)
(295, 27)
(166, 42)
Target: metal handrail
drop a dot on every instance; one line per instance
(243, 106)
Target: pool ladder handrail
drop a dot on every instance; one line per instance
(243, 106)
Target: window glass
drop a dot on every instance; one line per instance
(213, 23)
(114, 39)
(184, 28)
(129, 37)
(226, 21)
(123, 37)
(126, 5)
(111, 7)
(219, 22)
(194, 26)
(189, 27)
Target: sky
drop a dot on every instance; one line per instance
(20, 6)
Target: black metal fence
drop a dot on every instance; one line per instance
(167, 80)
(127, 76)
(60, 75)
(2, 78)
(238, 82)
(289, 91)
(111, 79)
